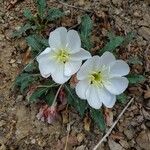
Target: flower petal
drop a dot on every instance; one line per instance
(116, 85)
(72, 67)
(119, 68)
(106, 97)
(58, 75)
(73, 41)
(107, 58)
(92, 97)
(81, 88)
(46, 51)
(81, 55)
(57, 38)
(85, 69)
(46, 63)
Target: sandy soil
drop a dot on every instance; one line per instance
(19, 127)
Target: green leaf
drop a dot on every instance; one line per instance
(24, 80)
(114, 42)
(41, 40)
(85, 31)
(76, 102)
(41, 4)
(27, 13)
(37, 44)
(50, 97)
(135, 78)
(37, 94)
(31, 67)
(53, 14)
(128, 38)
(98, 118)
(134, 61)
(122, 98)
(23, 30)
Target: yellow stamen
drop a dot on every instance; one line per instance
(62, 56)
(96, 78)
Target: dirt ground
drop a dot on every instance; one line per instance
(19, 127)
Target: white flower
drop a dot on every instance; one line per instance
(100, 80)
(64, 56)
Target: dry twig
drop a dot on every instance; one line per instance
(72, 6)
(114, 124)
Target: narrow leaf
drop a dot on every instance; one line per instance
(50, 97)
(122, 98)
(134, 61)
(98, 118)
(76, 102)
(37, 94)
(23, 30)
(54, 14)
(41, 4)
(85, 32)
(24, 80)
(114, 42)
(135, 78)
(36, 44)
(31, 67)
(128, 38)
(27, 13)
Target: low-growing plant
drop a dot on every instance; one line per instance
(59, 60)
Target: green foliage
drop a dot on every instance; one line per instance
(122, 98)
(135, 78)
(85, 31)
(24, 80)
(27, 13)
(23, 30)
(32, 67)
(53, 14)
(73, 100)
(50, 97)
(98, 118)
(36, 43)
(41, 5)
(37, 94)
(134, 61)
(128, 38)
(114, 42)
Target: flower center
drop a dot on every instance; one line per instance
(62, 56)
(96, 78)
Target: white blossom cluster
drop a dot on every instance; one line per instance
(100, 79)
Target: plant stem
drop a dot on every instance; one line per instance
(54, 101)
(48, 86)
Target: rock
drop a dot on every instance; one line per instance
(143, 139)
(144, 32)
(147, 94)
(80, 137)
(117, 2)
(114, 146)
(124, 144)
(82, 147)
(146, 104)
(12, 61)
(129, 133)
(2, 146)
(23, 44)
(33, 141)
(137, 14)
(19, 98)
(147, 124)
(23, 125)
(2, 123)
